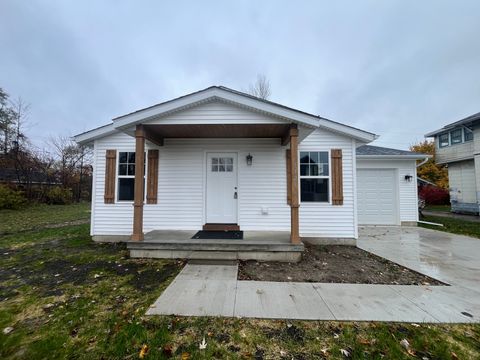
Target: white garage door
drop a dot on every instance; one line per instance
(377, 197)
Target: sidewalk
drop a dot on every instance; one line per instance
(213, 290)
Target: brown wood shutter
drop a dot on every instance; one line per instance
(152, 177)
(337, 177)
(289, 176)
(110, 168)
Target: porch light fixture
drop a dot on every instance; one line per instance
(408, 178)
(249, 159)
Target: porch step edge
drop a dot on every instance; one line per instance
(280, 256)
(215, 247)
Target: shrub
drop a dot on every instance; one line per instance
(434, 195)
(11, 199)
(59, 196)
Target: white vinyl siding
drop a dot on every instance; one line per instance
(181, 190)
(216, 112)
(407, 190)
(324, 219)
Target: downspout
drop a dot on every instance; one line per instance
(423, 162)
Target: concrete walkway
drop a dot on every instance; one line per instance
(213, 290)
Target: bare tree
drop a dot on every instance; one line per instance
(73, 163)
(261, 87)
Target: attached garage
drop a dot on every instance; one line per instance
(386, 186)
(377, 197)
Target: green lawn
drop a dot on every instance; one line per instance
(66, 297)
(440, 208)
(451, 225)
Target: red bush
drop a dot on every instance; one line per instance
(434, 195)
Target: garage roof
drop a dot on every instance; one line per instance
(370, 151)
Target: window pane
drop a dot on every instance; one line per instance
(314, 170)
(304, 170)
(131, 157)
(456, 136)
(443, 140)
(229, 168)
(304, 157)
(313, 157)
(122, 158)
(131, 169)
(324, 170)
(314, 190)
(468, 134)
(229, 161)
(122, 169)
(221, 161)
(221, 168)
(214, 168)
(126, 188)
(323, 157)
(214, 161)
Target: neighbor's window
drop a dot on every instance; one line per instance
(456, 136)
(314, 176)
(443, 140)
(126, 176)
(468, 134)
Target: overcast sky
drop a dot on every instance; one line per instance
(396, 68)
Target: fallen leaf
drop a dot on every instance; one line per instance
(143, 351)
(345, 353)
(405, 343)
(185, 356)
(411, 352)
(7, 330)
(168, 350)
(364, 341)
(336, 336)
(203, 344)
(454, 356)
(416, 325)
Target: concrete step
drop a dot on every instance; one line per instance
(215, 245)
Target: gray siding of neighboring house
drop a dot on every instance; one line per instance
(456, 152)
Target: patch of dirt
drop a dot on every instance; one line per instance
(335, 264)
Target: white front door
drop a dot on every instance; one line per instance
(221, 200)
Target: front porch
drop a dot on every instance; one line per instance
(255, 245)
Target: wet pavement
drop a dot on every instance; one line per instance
(213, 290)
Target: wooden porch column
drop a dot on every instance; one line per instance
(138, 191)
(294, 202)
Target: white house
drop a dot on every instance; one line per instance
(458, 146)
(219, 159)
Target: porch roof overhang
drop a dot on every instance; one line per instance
(286, 115)
(158, 132)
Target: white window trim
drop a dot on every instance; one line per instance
(329, 177)
(117, 187)
(466, 129)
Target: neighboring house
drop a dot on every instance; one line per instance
(458, 146)
(222, 159)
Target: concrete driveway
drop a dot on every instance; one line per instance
(454, 259)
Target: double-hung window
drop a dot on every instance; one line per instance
(314, 176)
(126, 175)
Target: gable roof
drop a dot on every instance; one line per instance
(370, 151)
(221, 93)
(468, 121)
